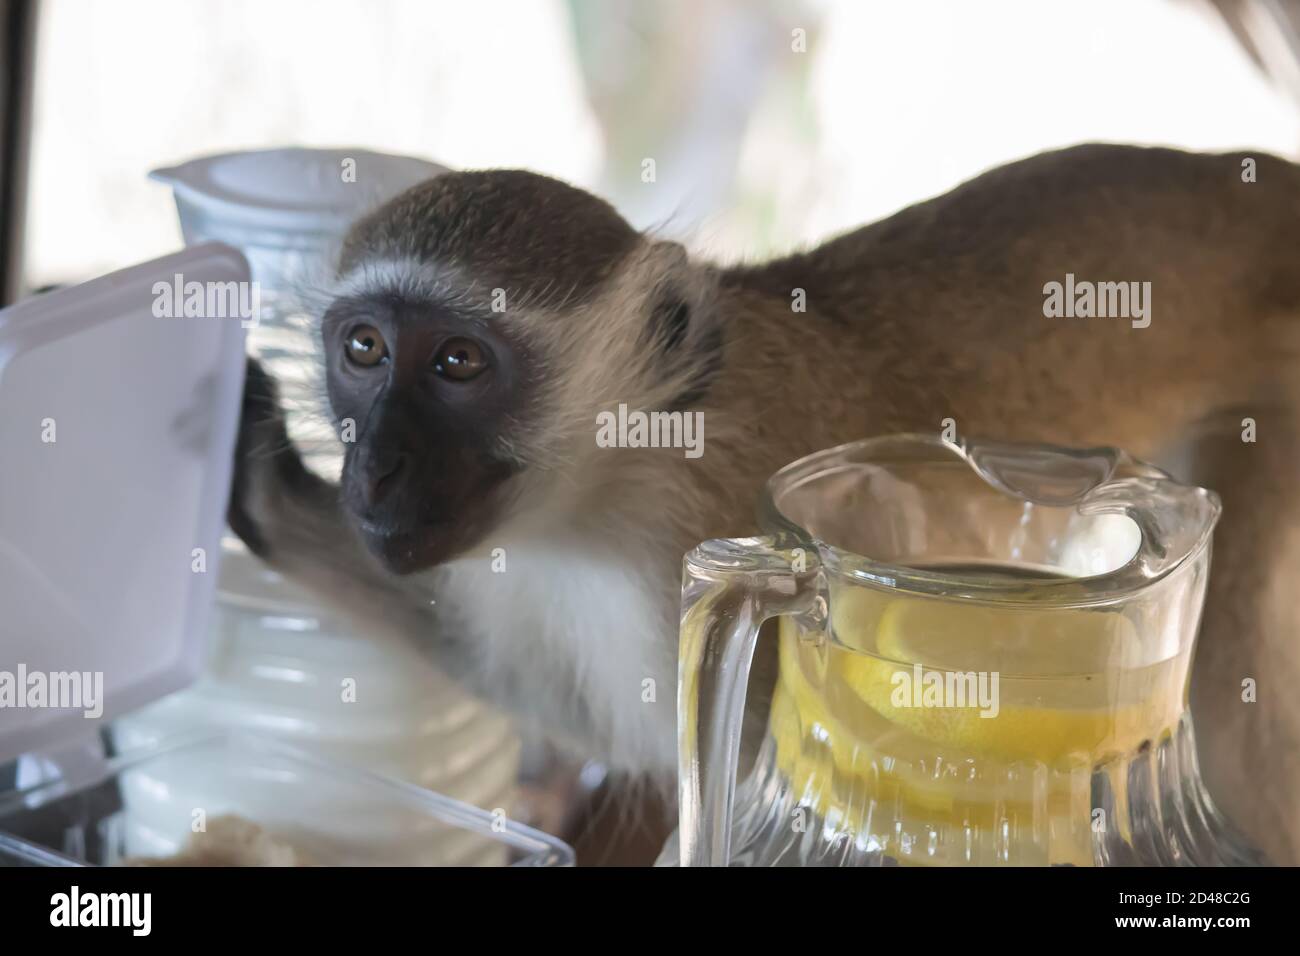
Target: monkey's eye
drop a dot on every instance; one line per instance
(460, 359)
(365, 346)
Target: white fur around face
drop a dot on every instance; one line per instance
(403, 277)
(578, 634)
(577, 640)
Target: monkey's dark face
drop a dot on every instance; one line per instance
(419, 393)
(485, 318)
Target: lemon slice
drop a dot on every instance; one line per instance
(878, 797)
(1067, 712)
(869, 761)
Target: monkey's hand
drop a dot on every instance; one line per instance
(267, 466)
(288, 516)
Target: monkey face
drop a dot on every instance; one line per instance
(421, 391)
(484, 322)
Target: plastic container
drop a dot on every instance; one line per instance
(117, 437)
(282, 666)
(93, 818)
(119, 423)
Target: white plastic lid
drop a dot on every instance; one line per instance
(295, 189)
(117, 430)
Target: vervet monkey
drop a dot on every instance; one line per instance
(483, 320)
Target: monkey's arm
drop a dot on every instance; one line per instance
(292, 519)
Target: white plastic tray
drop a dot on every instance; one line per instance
(102, 528)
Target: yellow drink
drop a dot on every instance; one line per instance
(948, 732)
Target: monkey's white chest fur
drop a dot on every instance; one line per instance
(583, 645)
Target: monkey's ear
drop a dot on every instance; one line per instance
(670, 255)
(670, 319)
(682, 327)
(671, 306)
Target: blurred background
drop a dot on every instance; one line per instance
(771, 124)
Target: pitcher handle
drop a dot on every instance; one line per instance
(729, 588)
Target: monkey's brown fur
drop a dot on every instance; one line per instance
(934, 313)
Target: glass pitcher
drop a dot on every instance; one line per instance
(984, 657)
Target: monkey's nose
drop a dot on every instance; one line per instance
(382, 478)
